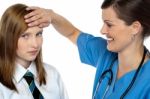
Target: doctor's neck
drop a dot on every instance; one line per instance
(131, 57)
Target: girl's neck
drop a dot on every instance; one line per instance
(23, 63)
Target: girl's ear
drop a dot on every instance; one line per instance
(137, 27)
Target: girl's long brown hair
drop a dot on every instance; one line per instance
(12, 24)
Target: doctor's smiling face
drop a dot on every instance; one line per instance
(119, 34)
(28, 46)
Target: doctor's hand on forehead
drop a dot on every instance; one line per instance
(39, 16)
(44, 17)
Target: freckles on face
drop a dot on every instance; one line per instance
(117, 33)
(29, 44)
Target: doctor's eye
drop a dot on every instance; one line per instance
(109, 25)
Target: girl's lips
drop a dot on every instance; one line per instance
(33, 52)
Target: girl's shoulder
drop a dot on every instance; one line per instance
(50, 70)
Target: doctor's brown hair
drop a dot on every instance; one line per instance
(130, 11)
(12, 24)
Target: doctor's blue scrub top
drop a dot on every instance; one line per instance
(93, 51)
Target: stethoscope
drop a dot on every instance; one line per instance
(110, 79)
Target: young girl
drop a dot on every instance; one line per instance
(23, 75)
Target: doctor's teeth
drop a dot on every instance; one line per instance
(110, 39)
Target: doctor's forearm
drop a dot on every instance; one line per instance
(64, 27)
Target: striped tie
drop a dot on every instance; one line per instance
(34, 90)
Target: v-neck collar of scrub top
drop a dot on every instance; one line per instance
(123, 82)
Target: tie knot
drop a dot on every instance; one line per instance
(28, 74)
(28, 77)
(34, 90)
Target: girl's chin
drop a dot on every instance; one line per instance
(31, 58)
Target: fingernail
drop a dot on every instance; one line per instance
(25, 16)
(29, 24)
(26, 20)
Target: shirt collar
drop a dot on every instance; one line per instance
(20, 71)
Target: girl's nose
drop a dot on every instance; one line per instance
(34, 42)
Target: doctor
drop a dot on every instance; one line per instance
(122, 60)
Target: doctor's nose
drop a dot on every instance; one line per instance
(104, 30)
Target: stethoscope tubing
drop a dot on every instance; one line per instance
(135, 75)
(111, 77)
(102, 77)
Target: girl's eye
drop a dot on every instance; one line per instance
(39, 34)
(26, 36)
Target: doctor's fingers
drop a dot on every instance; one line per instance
(38, 13)
(44, 25)
(40, 22)
(34, 11)
(33, 18)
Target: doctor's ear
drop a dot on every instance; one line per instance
(137, 27)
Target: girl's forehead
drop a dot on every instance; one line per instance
(33, 29)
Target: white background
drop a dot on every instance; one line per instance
(59, 51)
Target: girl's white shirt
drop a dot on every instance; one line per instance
(54, 88)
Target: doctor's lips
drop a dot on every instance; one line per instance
(109, 38)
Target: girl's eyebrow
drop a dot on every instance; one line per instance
(25, 33)
(30, 32)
